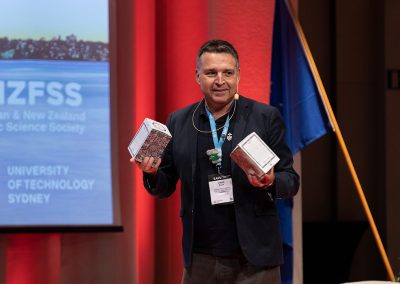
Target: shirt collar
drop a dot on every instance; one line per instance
(203, 113)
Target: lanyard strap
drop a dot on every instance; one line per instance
(218, 142)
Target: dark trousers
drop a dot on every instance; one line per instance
(207, 269)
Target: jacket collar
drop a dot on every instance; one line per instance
(242, 112)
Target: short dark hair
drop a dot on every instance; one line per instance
(217, 46)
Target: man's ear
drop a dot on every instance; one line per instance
(197, 76)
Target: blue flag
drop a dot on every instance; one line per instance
(294, 92)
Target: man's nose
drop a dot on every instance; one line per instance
(220, 79)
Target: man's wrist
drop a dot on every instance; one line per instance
(268, 185)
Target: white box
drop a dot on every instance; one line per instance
(150, 140)
(254, 156)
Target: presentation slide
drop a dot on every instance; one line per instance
(55, 145)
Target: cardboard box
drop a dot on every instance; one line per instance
(253, 156)
(150, 140)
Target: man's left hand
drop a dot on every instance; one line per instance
(264, 181)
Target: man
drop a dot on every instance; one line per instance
(234, 237)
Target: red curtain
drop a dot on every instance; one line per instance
(157, 43)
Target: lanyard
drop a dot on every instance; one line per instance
(218, 143)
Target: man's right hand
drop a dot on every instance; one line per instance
(147, 165)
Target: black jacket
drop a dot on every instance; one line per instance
(256, 214)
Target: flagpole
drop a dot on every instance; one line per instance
(343, 146)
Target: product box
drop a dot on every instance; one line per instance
(150, 140)
(254, 156)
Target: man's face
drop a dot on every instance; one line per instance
(218, 78)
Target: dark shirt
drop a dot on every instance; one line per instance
(215, 230)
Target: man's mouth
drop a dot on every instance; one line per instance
(220, 91)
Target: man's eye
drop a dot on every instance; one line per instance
(211, 74)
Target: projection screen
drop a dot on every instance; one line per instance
(56, 165)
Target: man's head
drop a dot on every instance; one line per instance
(218, 73)
(218, 46)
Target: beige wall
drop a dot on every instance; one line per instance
(354, 43)
(392, 128)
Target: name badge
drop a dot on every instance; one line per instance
(221, 189)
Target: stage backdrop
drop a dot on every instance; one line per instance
(164, 77)
(157, 42)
